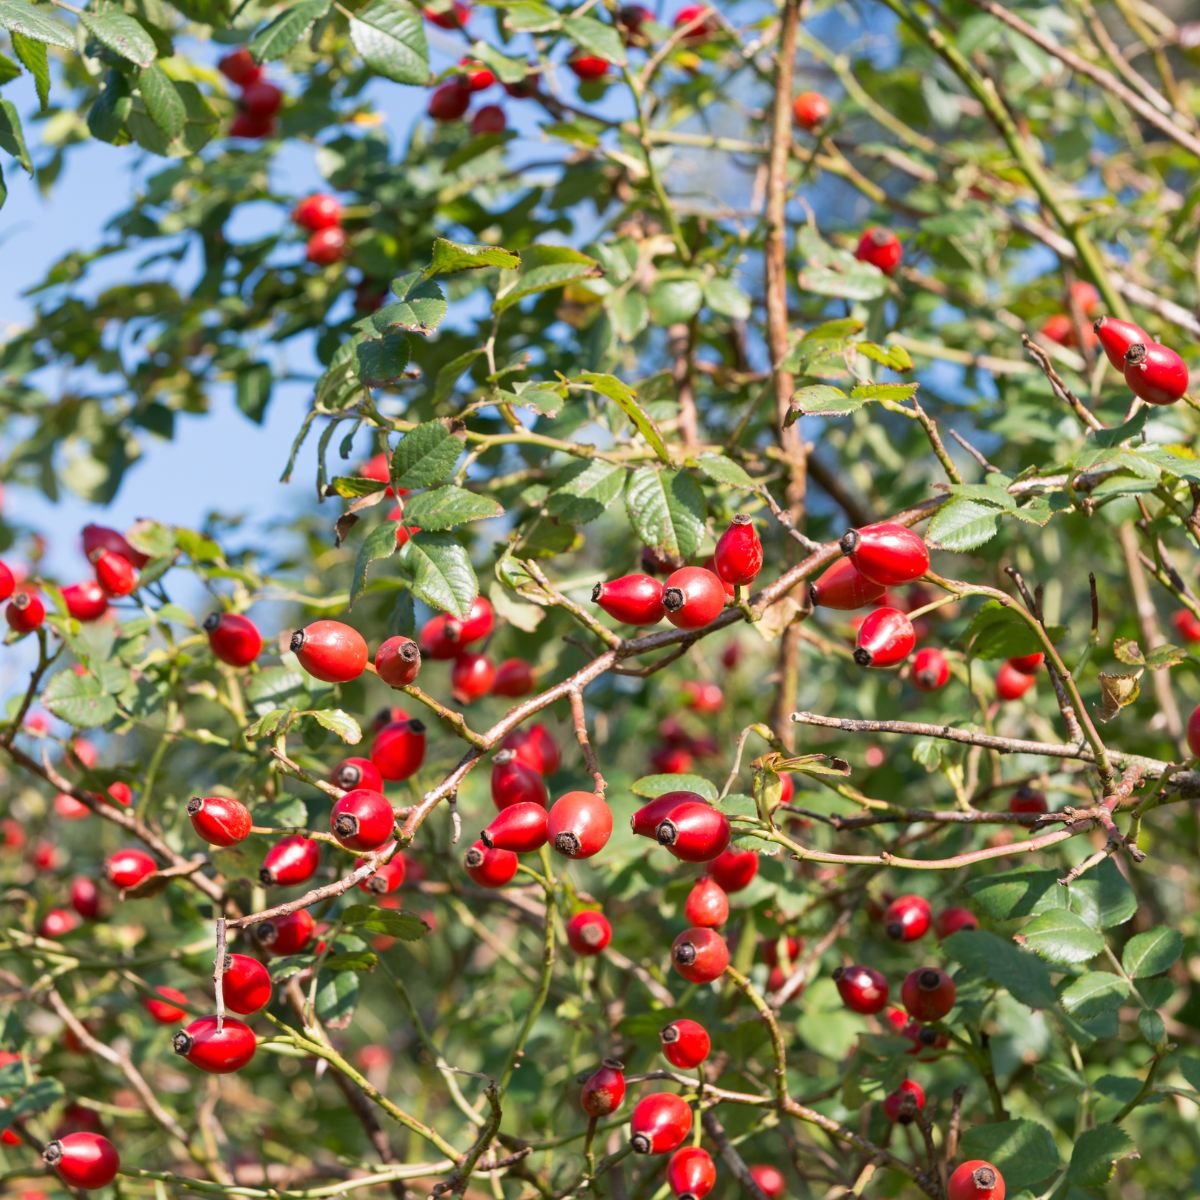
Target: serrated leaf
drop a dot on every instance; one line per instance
(448, 507)
(895, 358)
(382, 360)
(33, 57)
(1117, 691)
(724, 470)
(666, 510)
(1024, 975)
(996, 632)
(542, 268)
(1095, 1153)
(163, 101)
(848, 280)
(1060, 936)
(962, 525)
(278, 687)
(406, 926)
(823, 400)
(449, 257)
(18, 16)
(379, 543)
(80, 700)
(424, 456)
(596, 38)
(337, 998)
(122, 34)
(340, 722)
(651, 786)
(1163, 657)
(1126, 650)
(1024, 1151)
(439, 572)
(626, 400)
(420, 305)
(1095, 993)
(583, 491)
(279, 35)
(12, 136)
(390, 36)
(1152, 952)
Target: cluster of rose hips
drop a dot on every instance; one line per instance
(260, 99)
(321, 215)
(450, 100)
(1153, 372)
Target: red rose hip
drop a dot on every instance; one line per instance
(700, 955)
(739, 554)
(220, 820)
(83, 1159)
(219, 1052)
(330, 651)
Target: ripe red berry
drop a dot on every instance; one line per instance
(398, 661)
(670, 760)
(841, 586)
(579, 824)
(631, 599)
(246, 125)
(515, 783)
(976, 1180)
(318, 211)
(1193, 731)
(100, 537)
(261, 99)
(362, 819)
(164, 1005)
(83, 1160)
(85, 601)
(1117, 336)
(707, 904)
(478, 75)
(25, 612)
(886, 637)
(471, 677)
(928, 993)
(734, 869)
(387, 879)
(660, 1123)
(292, 860)
(886, 553)
(588, 66)
(862, 989)
(810, 110)
(694, 831)
(449, 101)
(239, 67)
(699, 22)
(399, 750)
(1027, 664)
(521, 828)
(685, 1043)
(603, 1092)
(514, 677)
(691, 1173)
(330, 651)
(881, 248)
(490, 868)
(693, 597)
(739, 554)
(535, 747)
(288, 934)
(953, 920)
(1155, 373)
(217, 1051)
(56, 923)
(353, 773)
(588, 932)
(703, 698)
(646, 820)
(8, 583)
(1012, 684)
(700, 955)
(325, 247)
(930, 670)
(127, 868)
(770, 1180)
(452, 16)
(903, 1105)
(233, 638)
(791, 947)
(907, 918)
(489, 119)
(220, 820)
(85, 897)
(245, 984)
(1027, 799)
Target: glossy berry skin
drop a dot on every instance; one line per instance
(318, 211)
(881, 248)
(246, 984)
(452, 17)
(903, 1105)
(56, 923)
(707, 904)
(862, 989)
(83, 1160)
(770, 1180)
(693, 597)
(119, 793)
(330, 651)
(85, 897)
(588, 933)
(1155, 373)
(521, 828)
(1117, 336)
(362, 820)
(885, 638)
(1027, 799)
(670, 760)
(685, 1043)
(771, 950)
(325, 247)
(810, 110)
(239, 67)
(387, 879)
(8, 584)
(291, 861)
(262, 99)
(697, 19)
(246, 125)
(700, 955)
(85, 601)
(843, 587)
(399, 750)
(954, 920)
(127, 868)
(220, 820)
(163, 1006)
(479, 76)
(1193, 731)
(233, 638)
(489, 119)
(471, 677)
(353, 773)
(398, 661)
(631, 599)
(287, 934)
(449, 101)
(579, 824)
(515, 783)
(514, 677)
(1012, 684)
(691, 1173)
(734, 869)
(603, 1092)
(535, 747)
(25, 612)
(738, 557)
(446, 637)
(588, 66)
(100, 537)
(694, 832)
(907, 918)
(489, 868)
(646, 820)
(660, 1123)
(930, 670)
(886, 553)
(975, 1180)
(928, 993)
(219, 1052)
(1027, 664)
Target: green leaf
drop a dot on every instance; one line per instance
(204, 12)
(337, 998)
(447, 507)
(449, 257)
(33, 57)
(628, 312)
(278, 687)
(379, 543)
(1059, 936)
(199, 126)
(666, 510)
(382, 360)
(725, 470)
(626, 400)
(1103, 897)
(162, 99)
(1095, 1153)
(1016, 893)
(439, 571)
(962, 525)
(725, 297)
(450, 373)
(390, 36)
(252, 390)
(420, 306)
(651, 786)
(1093, 994)
(997, 959)
(278, 36)
(338, 721)
(12, 136)
(823, 400)
(80, 700)
(542, 268)
(885, 391)
(424, 456)
(675, 300)
(1152, 952)
(18, 16)
(596, 38)
(406, 926)
(996, 631)
(122, 34)
(583, 491)
(1024, 1151)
